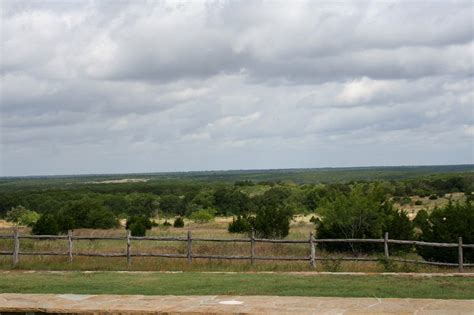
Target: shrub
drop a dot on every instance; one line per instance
(231, 201)
(272, 222)
(203, 215)
(47, 224)
(361, 214)
(87, 213)
(433, 197)
(166, 223)
(138, 228)
(421, 220)
(138, 225)
(242, 224)
(445, 225)
(418, 203)
(178, 222)
(101, 219)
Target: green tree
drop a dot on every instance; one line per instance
(232, 201)
(274, 213)
(138, 229)
(241, 224)
(22, 216)
(203, 215)
(143, 220)
(361, 213)
(172, 204)
(145, 204)
(46, 225)
(446, 225)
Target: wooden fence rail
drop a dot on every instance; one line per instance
(252, 257)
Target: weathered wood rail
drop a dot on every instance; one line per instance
(252, 240)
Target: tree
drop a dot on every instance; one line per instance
(361, 213)
(421, 220)
(445, 225)
(138, 229)
(102, 219)
(172, 204)
(139, 218)
(241, 224)
(138, 225)
(272, 222)
(87, 213)
(22, 216)
(274, 213)
(203, 215)
(231, 201)
(145, 204)
(46, 225)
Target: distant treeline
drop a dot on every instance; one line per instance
(167, 198)
(300, 176)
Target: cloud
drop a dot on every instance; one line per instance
(106, 86)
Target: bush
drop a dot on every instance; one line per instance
(242, 224)
(272, 222)
(47, 224)
(361, 213)
(421, 220)
(166, 223)
(433, 197)
(101, 219)
(445, 225)
(22, 216)
(86, 213)
(138, 225)
(138, 228)
(178, 222)
(418, 203)
(203, 215)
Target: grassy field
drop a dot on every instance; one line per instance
(238, 284)
(300, 229)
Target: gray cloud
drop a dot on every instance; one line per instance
(107, 86)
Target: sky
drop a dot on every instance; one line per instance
(150, 86)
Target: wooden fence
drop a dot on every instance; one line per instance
(252, 257)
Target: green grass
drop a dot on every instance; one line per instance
(238, 284)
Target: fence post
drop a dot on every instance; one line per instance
(69, 243)
(460, 255)
(129, 248)
(190, 248)
(252, 247)
(312, 257)
(385, 245)
(16, 246)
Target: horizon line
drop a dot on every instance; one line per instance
(232, 170)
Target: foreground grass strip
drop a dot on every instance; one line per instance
(238, 284)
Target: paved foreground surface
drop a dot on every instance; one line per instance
(134, 304)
